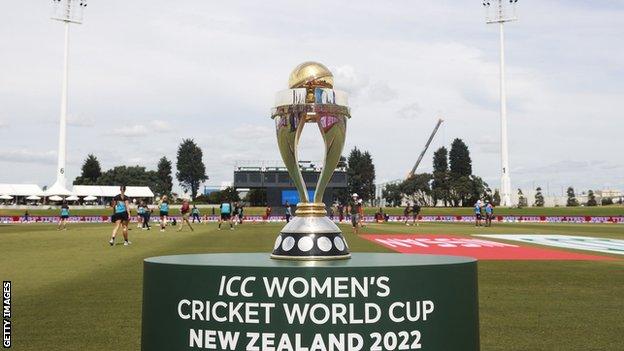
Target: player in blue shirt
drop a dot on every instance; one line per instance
(226, 214)
(164, 212)
(64, 216)
(121, 216)
(477, 212)
(489, 213)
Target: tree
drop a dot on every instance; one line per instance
(487, 194)
(91, 171)
(256, 197)
(124, 175)
(605, 201)
(392, 194)
(522, 201)
(418, 188)
(230, 194)
(478, 191)
(591, 198)
(539, 198)
(459, 157)
(165, 182)
(460, 189)
(361, 174)
(191, 169)
(496, 199)
(572, 201)
(440, 184)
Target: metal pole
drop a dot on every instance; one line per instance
(62, 150)
(505, 179)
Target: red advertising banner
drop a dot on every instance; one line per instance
(472, 247)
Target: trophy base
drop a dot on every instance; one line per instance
(311, 238)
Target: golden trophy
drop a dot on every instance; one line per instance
(311, 235)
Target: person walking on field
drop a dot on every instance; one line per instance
(164, 212)
(341, 212)
(147, 213)
(415, 213)
(489, 213)
(140, 211)
(121, 216)
(226, 214)
(64, 216)
(360, 212)
(406, 212)
(477, 212)
(240, 213)
(185, 210)
(288, 212)
(195, 214)
(355, 213)
(267, 212)
(235, 213)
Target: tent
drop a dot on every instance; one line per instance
(57, 189)
(111, 191)
(20, 189)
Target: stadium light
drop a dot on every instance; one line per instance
(499, 12)
(66, 11)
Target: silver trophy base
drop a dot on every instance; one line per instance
(311, 238)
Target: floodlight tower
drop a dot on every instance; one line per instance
(66, 11)
(500, 13)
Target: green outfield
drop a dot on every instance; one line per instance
(72, 291)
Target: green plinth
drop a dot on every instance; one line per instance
(373, 301)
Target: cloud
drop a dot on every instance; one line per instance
(140, 130)
(4, 124)
(347, 78)
(381, 92)
(27, 156)
(161, 126)
(136, 130)
(411, 111)
(488, 145)
(80, 121)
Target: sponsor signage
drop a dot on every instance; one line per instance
(249, 302)
(610, 246)
(473, 247)
(370, 219)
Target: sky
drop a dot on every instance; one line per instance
(146, 74)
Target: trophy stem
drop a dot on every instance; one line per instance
(311, 209)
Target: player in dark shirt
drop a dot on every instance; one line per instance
(64, 216)
(356, 211)
(121, 216)
(415, 213)
(185, 210)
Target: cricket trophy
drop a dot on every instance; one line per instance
(311, 99)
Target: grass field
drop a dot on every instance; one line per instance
(612, 210)
(71, 291)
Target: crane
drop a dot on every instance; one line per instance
(422, 154)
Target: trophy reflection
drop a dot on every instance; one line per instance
(311, 99)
